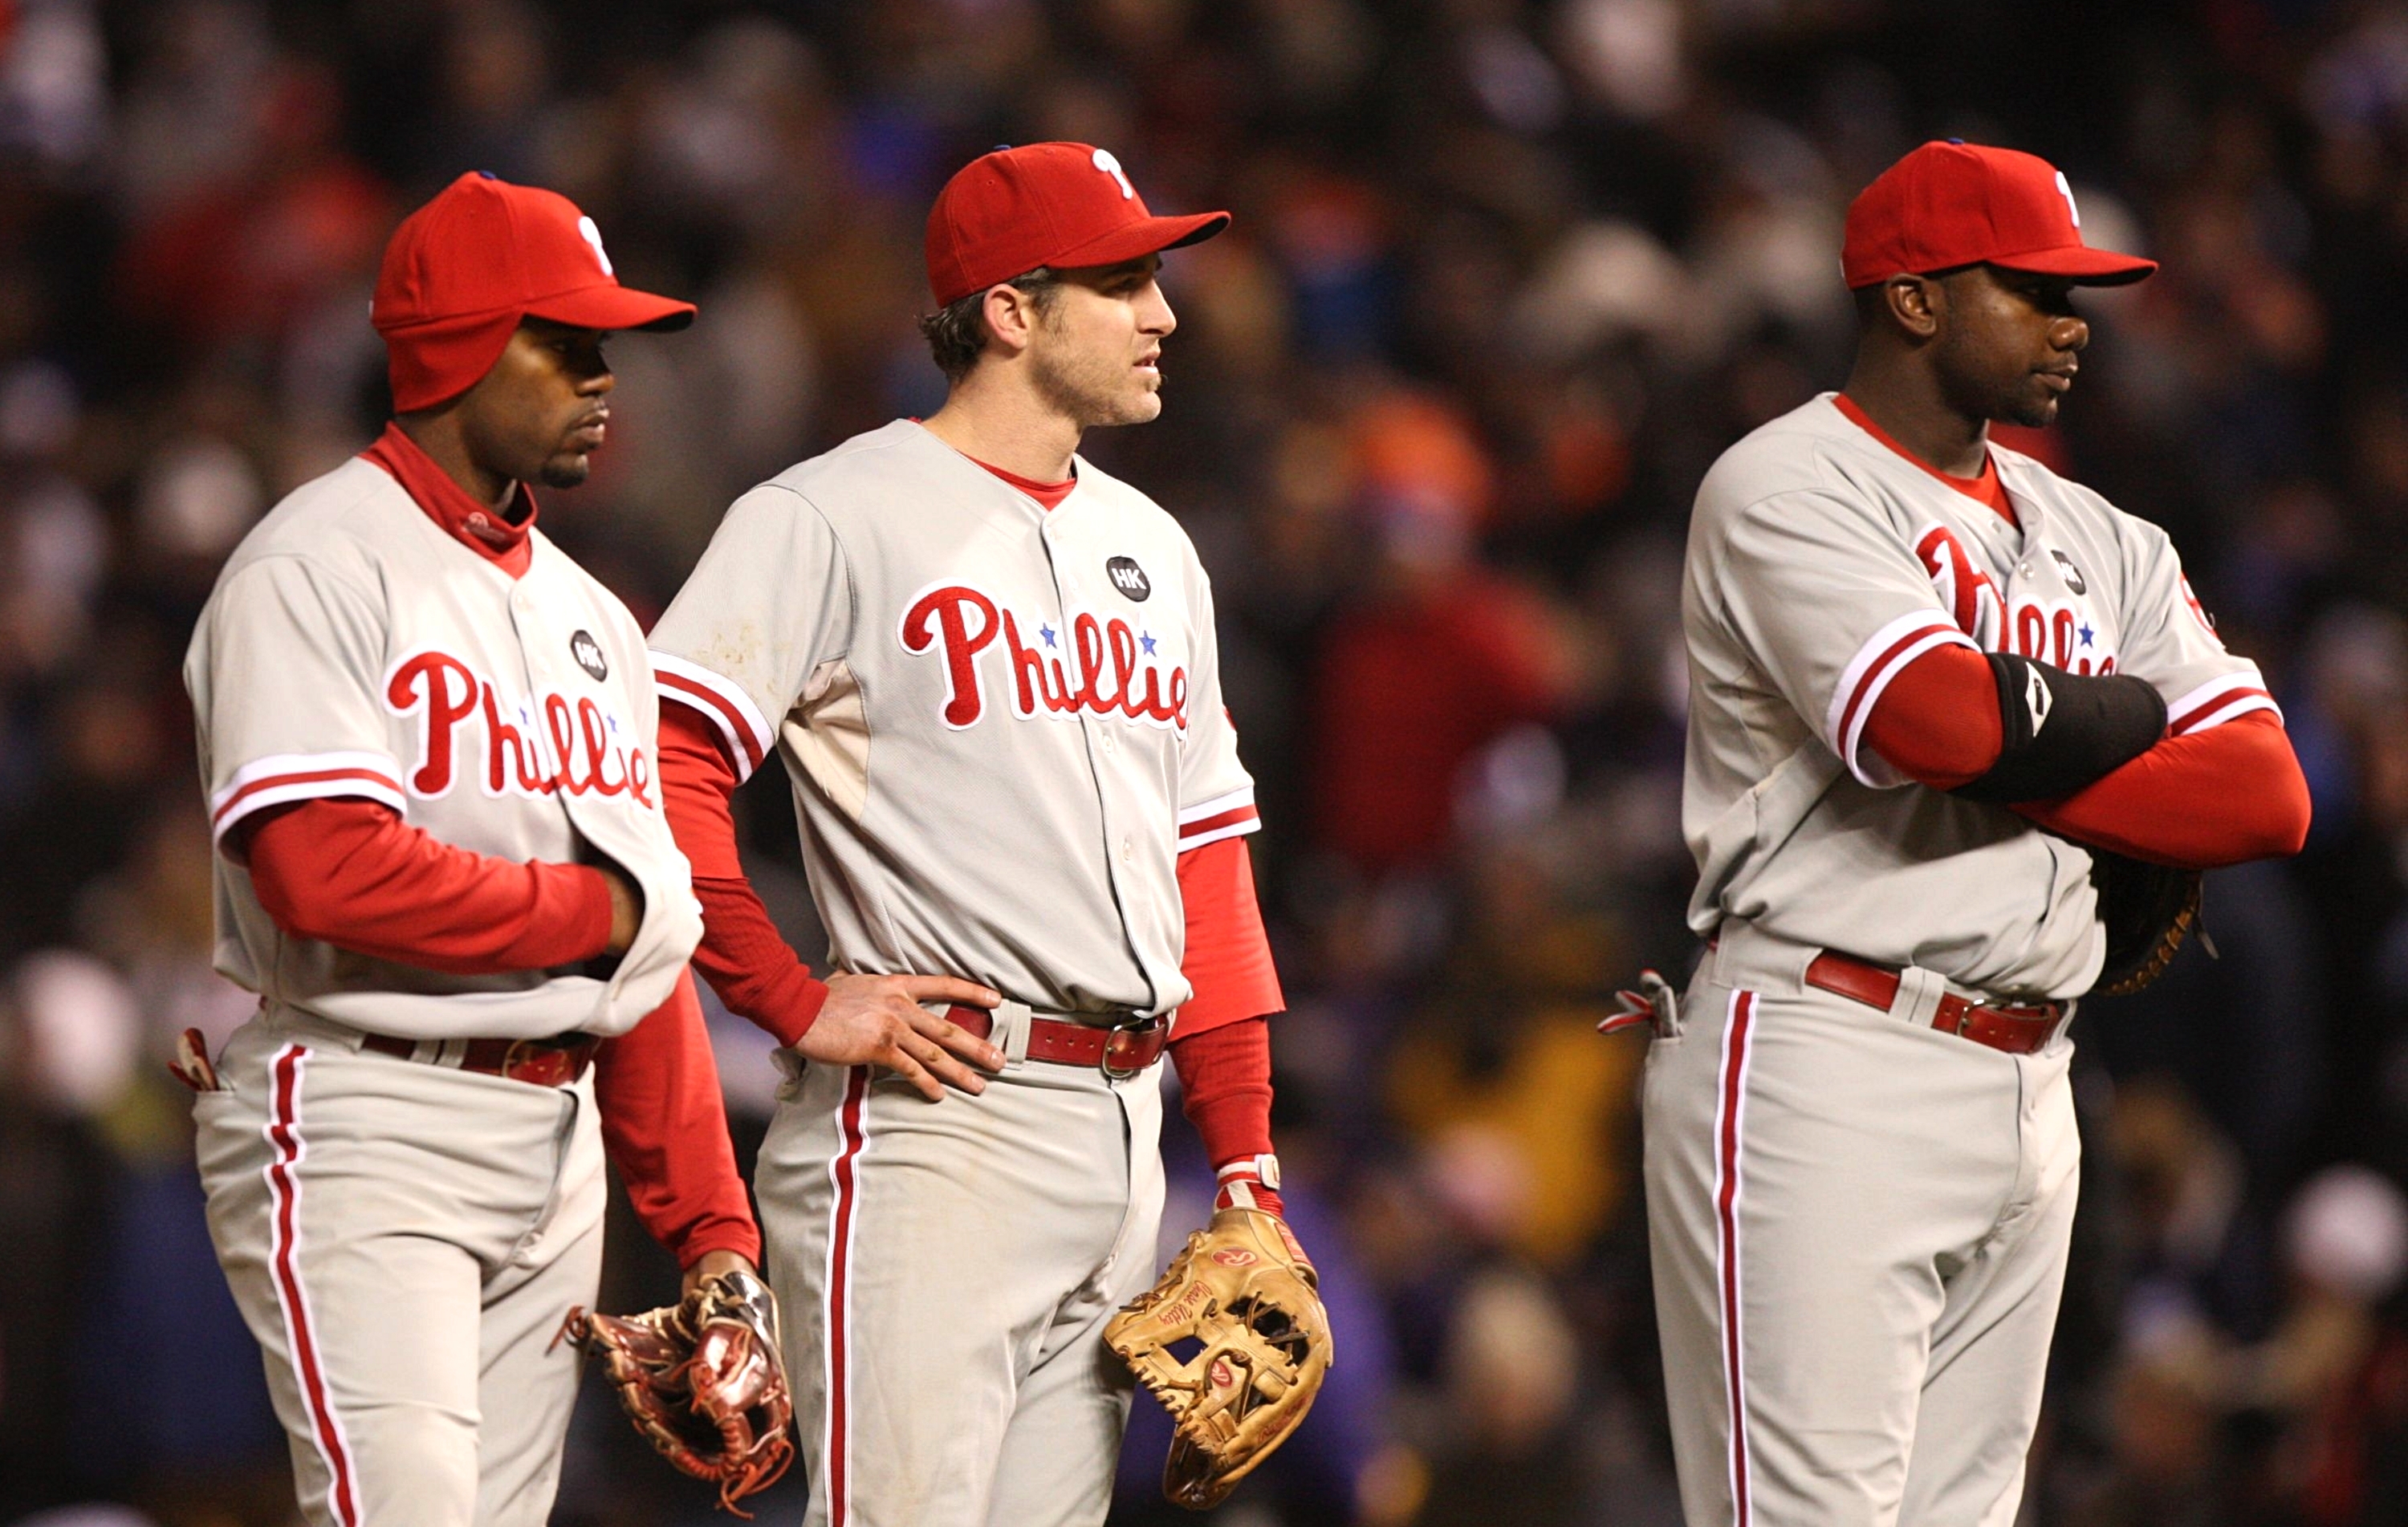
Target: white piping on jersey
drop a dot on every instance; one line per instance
(2217, 701)
(748, 734)
(1886, 652)
(282, 777)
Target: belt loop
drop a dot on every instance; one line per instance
(1011, 1033)
(1919, 992)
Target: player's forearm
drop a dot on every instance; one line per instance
(742, 955)
(352, 874)
(750, 963)
(1938, 721)
(2230, 794)
(665, 1128)
(1224, 1080)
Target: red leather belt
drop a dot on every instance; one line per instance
(555, 1062)
(2018, 1031)
(1116, 1052)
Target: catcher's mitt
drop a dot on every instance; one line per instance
(703, 1382)
(1243, 1293)
(2148, 910)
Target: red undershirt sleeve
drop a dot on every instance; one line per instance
(352, 873)
(664, 1126)
(1938, 721)
(742, 955)
(1222, 1049)
(2229, 794)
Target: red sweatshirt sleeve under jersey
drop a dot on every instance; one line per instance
(664, 1126)
(2228, 793)
(352, 873)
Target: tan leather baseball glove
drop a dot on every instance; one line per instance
(1246, 1296)
(703, 1382)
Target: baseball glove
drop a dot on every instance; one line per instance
(703, 1382)
(1244, 1297)
(2148, 910)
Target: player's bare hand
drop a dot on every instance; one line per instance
(879, 1020)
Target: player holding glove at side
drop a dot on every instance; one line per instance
(427, 740)
(990, 671)
(1931, 683)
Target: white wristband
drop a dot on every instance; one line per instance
(1264, 1169)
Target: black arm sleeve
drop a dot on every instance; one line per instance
(2062, 730)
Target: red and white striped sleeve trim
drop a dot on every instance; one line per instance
(2217, 701)
(1868, 673)
(740, 724)
(303, 777)
(1223, 816)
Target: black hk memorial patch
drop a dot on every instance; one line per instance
(1128, 577)
(2072, 574)
(588, 653)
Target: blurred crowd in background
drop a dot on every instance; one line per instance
(1506, 275)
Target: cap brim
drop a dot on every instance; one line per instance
(1135, 241)
(614, 308)
(2084, 266)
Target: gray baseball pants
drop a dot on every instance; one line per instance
(945, 1271)
(1859, 1226)
(404, 1240)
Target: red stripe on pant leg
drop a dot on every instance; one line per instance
(1727, 1182)
(283, 1134)
(842, 1172)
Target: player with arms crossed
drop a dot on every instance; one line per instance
(989, 669)
(427, 740)
(1930, 684)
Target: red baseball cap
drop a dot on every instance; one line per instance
(1063, 205)
(463, 270)
(1955, 203)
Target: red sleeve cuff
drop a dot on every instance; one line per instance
(736, 1235)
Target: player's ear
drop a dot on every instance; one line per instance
(1010, 317)
(1913, 304)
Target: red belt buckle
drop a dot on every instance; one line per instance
(544, 1063)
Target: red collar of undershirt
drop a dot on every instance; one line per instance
(1051, 495)
(1986, 489)
(472, 525)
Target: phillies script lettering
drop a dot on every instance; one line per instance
(532, 748)
(1107, 667)
(2064, 632)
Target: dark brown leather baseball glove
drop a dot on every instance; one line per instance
(703, 1382)
(2148, 910)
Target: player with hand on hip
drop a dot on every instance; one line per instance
(990, 672)
(1933, 685)
(428, 743)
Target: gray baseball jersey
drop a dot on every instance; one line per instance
(352, 649)
(1821, 562)
(1003, 724)
(402, 1238)
(1858, 1222)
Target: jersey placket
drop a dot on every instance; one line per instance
(1056, 531)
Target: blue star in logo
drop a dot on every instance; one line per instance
(2086, 633)
(1046, 631)
(1147, 642)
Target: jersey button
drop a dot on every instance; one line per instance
(1128, 849)
(1108, 743)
